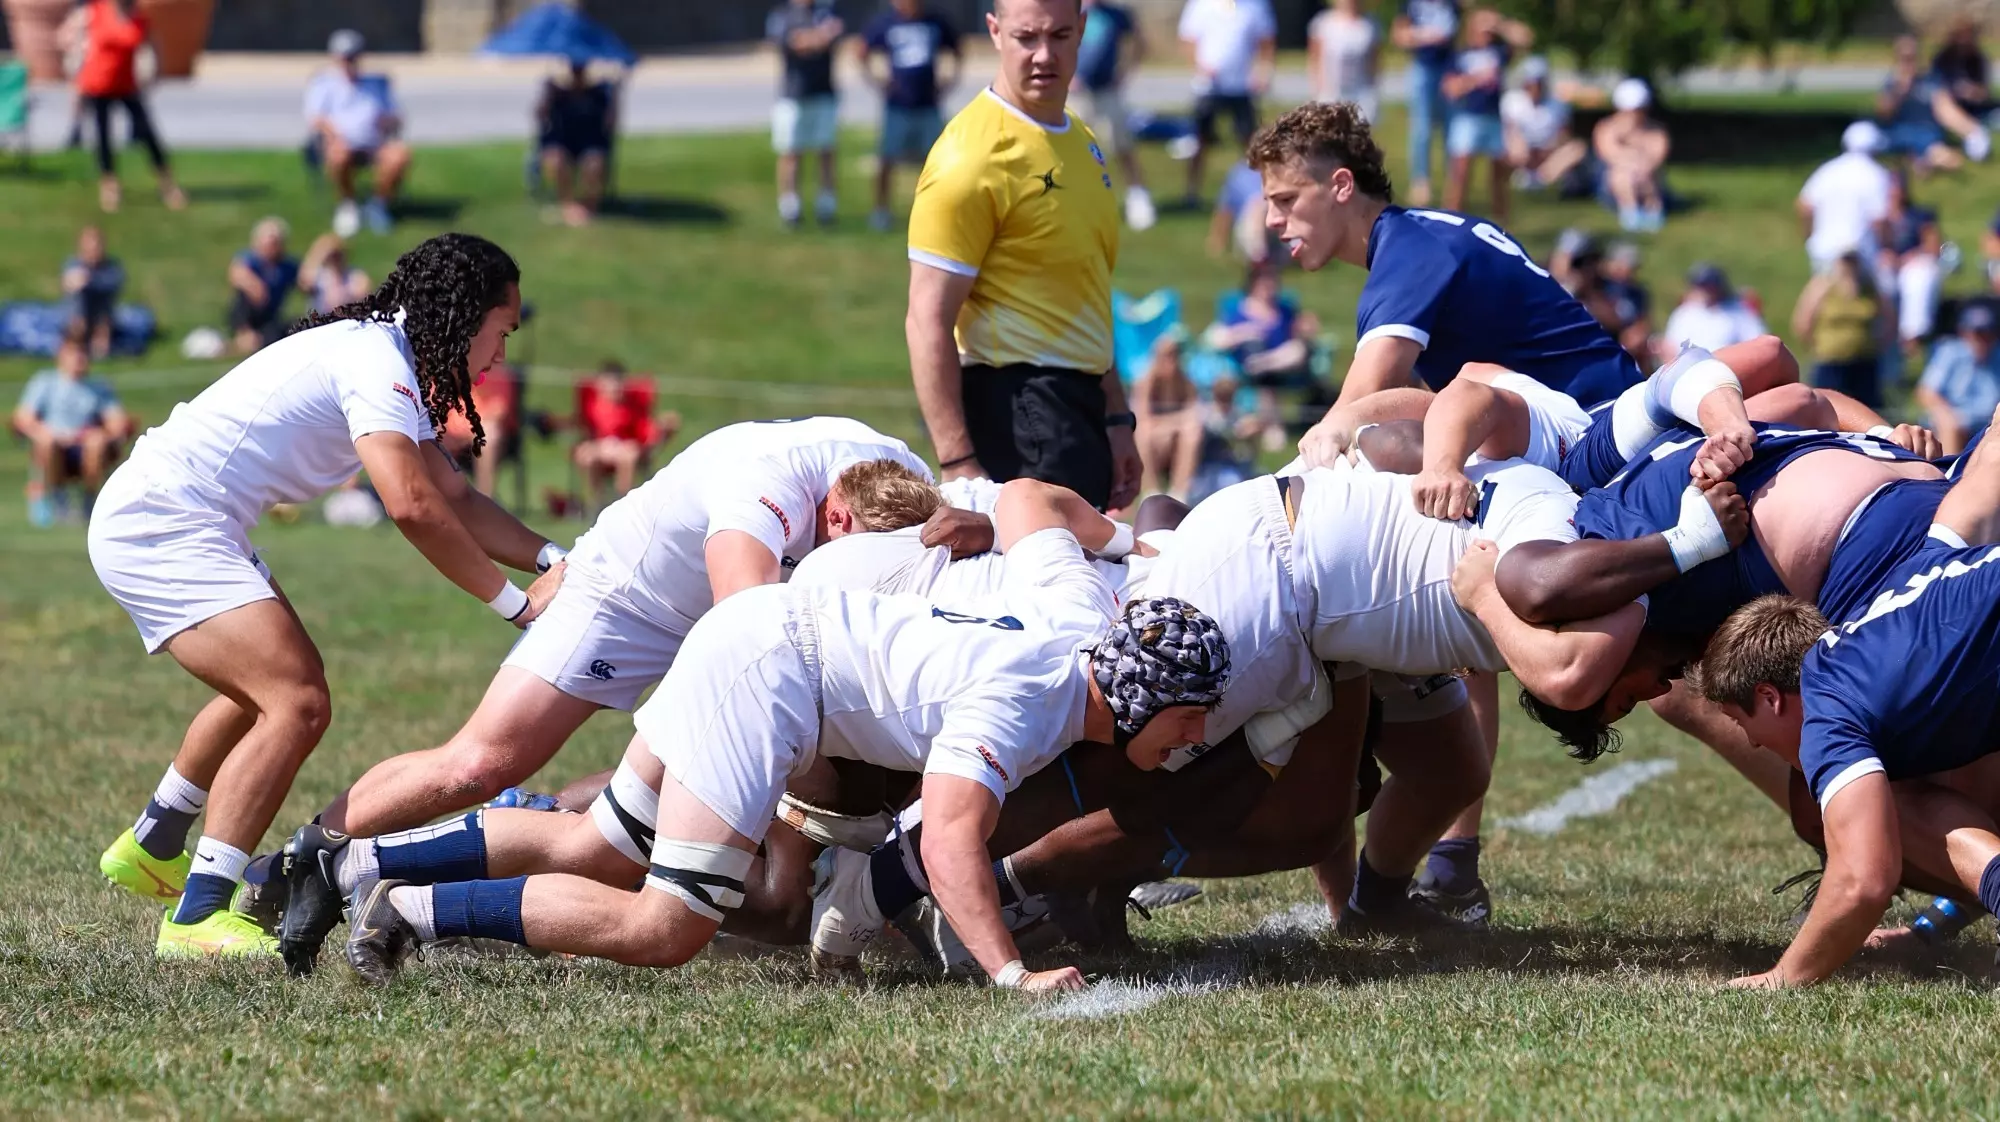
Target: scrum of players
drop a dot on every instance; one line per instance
(978, 709)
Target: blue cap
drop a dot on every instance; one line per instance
(1534, 68)
(1976, 317)
(1706, 275)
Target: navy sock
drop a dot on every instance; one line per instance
(261, 868)
(1989, 887)
(1453, 864)
(1376, 892)
(205, 895)
(894, 890)
(449, 851)
(163, 831)
(480, 909)
(1005, 883)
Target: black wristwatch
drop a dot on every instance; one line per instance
(1127, 419)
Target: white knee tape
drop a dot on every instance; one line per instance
(627, 812)
(1274, 735)
(848, 831)
(707, 876)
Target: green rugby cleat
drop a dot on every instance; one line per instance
(131, 868)
(223, 933)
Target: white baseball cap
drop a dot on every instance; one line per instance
(1861, 136)
(1630, 94)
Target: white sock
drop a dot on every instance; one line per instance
(219, 859)
(355, 864)
(789, 206)
(176, 793)
(414, 903)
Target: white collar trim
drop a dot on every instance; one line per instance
(1016, 111)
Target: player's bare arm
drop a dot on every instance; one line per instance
(1382, 363)
(935, 299)
(1559, 582)
(1571, 665)
(1864, 865)
(959, 815)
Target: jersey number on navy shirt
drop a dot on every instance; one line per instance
(1486, 232)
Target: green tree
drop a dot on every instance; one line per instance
(1656, 38)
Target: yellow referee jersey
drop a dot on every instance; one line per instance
(1028, 210)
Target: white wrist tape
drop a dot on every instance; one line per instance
(1882, 432)
(510, 602)
(1120, 544)
(1011, 976)
(547, 558)
(1698, 537)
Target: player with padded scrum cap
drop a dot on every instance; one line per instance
(771, 678)
(366, 386)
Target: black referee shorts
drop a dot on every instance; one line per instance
(1033, 422)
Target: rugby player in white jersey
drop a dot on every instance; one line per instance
(366, 386)
(773, 678)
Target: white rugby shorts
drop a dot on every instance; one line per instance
(168, 559)
(591, 643)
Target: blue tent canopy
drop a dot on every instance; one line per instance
(558, 29)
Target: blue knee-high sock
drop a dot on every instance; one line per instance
(895, 889)
(1374, 891)
(1989, 887)
(480, 909)
(1453, 864)
(449, 851)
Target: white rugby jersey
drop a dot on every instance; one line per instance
(281, 426)
(1555, 421)
(990, 690)
(765, 478)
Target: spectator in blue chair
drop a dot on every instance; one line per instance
(1919, 116)
(91, 282)
(576, 119)
(1270, 340)
(74, 427)
(355, 120)
(1476, 79)
(1168, 413)
(912, 39)
(260, 278)
(1961, 385)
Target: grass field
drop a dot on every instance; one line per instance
(1596, 996)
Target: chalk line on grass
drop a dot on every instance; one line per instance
(1599, 794)
(1115, 997)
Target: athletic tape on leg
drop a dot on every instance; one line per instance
(627, 812)
(707, 876)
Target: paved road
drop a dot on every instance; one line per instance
(254, 102)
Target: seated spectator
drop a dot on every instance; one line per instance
(1270, 340)
(1472, 86)
(1224, 459)
(1238, 222)
(73, 425)
(1910, 266)
(354, 119)
(1618, 302)
(577, 118)
(1845, 201)
(497, 396)
(91, 282)
(259, 280)
(327, 278)
(1961, 384)
(1631, 301)
(1633, 148)
(1535, 120)
(1918, 113)
(617, 430)
(1847, 321)
(1168, 408)
(1960, 64)
(1710, 315)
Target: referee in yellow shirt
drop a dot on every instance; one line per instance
(1012, 240)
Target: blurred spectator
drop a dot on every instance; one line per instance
(1168, 408)
(1238, 220)
(1845, 201)
(1343, 52)
(1847, 321)
(496, 394)
(1961, 385)
(91, 282)
(617, 428)
(1536, 121)
(1916, 110)
(1112, 48)
(110, 34)
(1710, 315)
(1910, 267)
(1232, 44)
(912, 39)
(1633, 149)
(806, 118)
(1606, 283)
(1427, 29)
(576, 119)
(1961, 65)
(328, 279)
(1473, 83)
(260, 278)
(1224, 459)
(73, 425)
(355, 121)
(1270, 340)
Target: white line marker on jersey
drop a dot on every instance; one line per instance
(1599, 794)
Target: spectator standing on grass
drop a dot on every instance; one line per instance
(91, 282)
(1232, 44)
(1960, 64)
(111, 33)
(1633, 148)
(1844, 204)
(1847, 320)
(1960, 387)
(806, 119)
(1711, 315)
(1427, 29)
(1910, 267)
(912, 41)
(1535, 119)
(1167, 407)
(1238, 219)
(1343, 55)
(73, 425)
(1113, 47)
(575, 120)
(1918, 114)
(328, 278)
(355, 120)
(260, 278)
(1473, 83)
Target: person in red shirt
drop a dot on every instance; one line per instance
(617, 428)
(111, 33)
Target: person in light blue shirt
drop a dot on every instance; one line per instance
(1961, 385)
(73, 424)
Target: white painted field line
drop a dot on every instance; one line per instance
(1115, 997)
(1599, 794)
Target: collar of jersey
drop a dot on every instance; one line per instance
(1016, 111)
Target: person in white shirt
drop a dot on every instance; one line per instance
(1343, 49)
(1710, 315)
(1232, 44)
(1535, 120)
(1845, 202)
(354, 120)
(974, 698)
(170, 541)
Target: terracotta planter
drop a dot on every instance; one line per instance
(180, 31)
(32, 25)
